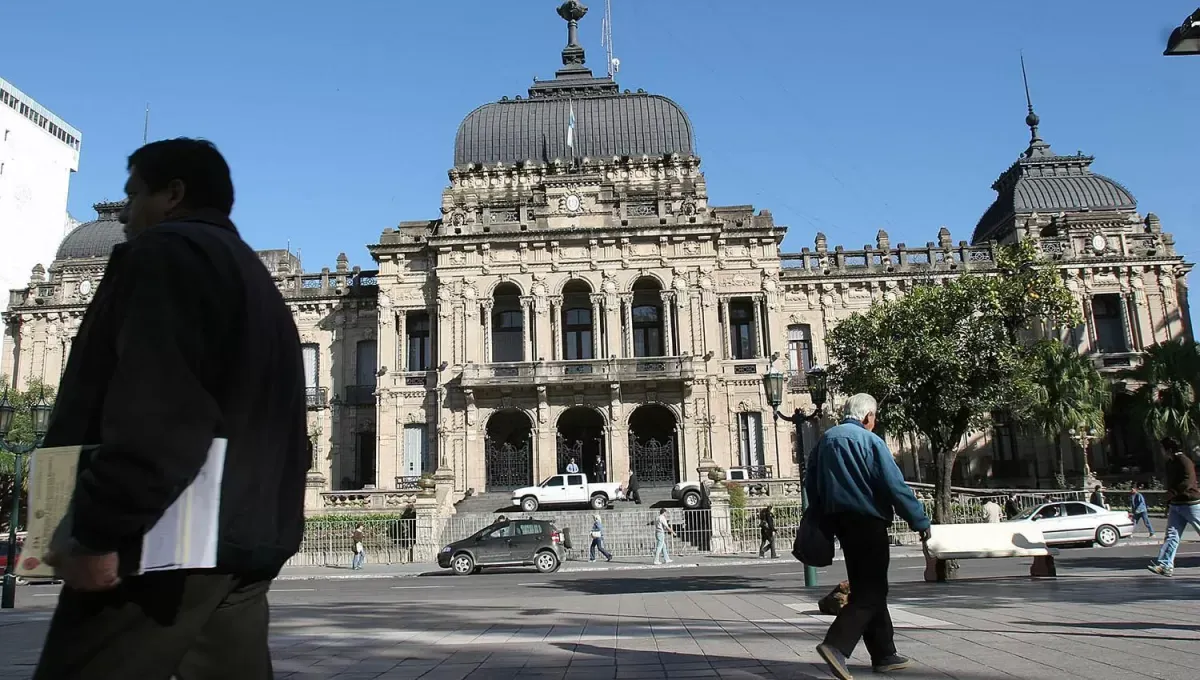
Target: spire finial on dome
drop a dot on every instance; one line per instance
(1037, 146)
(572, 11)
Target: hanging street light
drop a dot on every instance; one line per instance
(1185, 40)
(39, 413)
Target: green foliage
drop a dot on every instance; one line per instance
(1169, 383)
(737, 495)
(944, 357)
(1069, 393)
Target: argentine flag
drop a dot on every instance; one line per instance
(571, 128)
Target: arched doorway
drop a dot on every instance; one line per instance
(508, 324)
(1126, 447)
(647, 318)
(508, 451)
(581, 437)
(653, 445)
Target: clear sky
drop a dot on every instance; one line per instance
(338, 118)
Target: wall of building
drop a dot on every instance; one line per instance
(36, 163)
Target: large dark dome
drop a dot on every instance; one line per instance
(607, 122)
(95, 238)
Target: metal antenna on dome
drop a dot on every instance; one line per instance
(1037, 147)
(611, 62)
(146, 125)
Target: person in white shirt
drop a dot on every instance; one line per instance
(991, 511)
(572, 467)
(662, 527)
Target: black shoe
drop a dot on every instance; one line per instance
(892, 662)
(835, 660)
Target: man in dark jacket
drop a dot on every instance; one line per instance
(187, 340)
(1183, 499)
(855, 488)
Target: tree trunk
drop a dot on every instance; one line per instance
(916, 451)
(942, 502)
(1060, 470)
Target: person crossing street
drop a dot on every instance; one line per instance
(598, 541)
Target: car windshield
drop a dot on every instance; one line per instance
(1027, 513)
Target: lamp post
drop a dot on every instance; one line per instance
(1083, 437)
(40, 412)
(1185, 40)
(773, 385)
(818, 391)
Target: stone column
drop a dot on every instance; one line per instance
(668, 302)
(1089, 326)
(627, 325)
(722, 531)
(402, 350)
(526, 311)
(597, 300)
(556, 329)
(684, 323)
(486, 307)
(726, 329)
(1126, 322)
(759, 345)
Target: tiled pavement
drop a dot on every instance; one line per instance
(1115, 624)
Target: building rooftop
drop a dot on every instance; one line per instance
(95, 238)
(40, 115)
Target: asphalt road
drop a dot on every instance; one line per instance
(527, 585)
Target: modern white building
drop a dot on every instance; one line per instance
(38, 153)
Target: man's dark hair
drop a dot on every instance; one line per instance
(1171, 445)
(195, 162)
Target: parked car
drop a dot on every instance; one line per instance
(508, 543)
(570, 489)
(1076, 522)
(689, 492)
(4, 556)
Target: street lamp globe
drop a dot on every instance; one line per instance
(41, 416)
(6, 415)
(818, 386)
(1185, 40)
(773, 384)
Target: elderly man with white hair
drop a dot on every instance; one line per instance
(855, 489)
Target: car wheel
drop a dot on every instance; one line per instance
(529, 504)
(546, 562)
(691, 500)
(599, 502)
(462, 564)
(1107, 536)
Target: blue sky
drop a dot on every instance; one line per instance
(845, 117)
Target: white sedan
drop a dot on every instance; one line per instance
(1076, 522)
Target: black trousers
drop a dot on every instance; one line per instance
(186, 625)
(864, 542)
(768, 542)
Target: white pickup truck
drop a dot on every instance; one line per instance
(690, 494)
(570, 489)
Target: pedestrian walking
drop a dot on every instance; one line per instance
(662, 528)
(360, 553)
(186, 347)
(1011, 507)
(1097, 498)
(631, 489)
(1183, 500)
(572, 467)
(598, 541)
(855, 488)
(766, 529)
(1138, 509)
(991, 511)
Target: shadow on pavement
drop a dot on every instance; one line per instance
(630, 585)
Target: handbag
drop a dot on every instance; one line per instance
(596, 534)
(813, 545)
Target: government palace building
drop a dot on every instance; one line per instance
(579, 297)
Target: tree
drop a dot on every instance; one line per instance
(1069, 393)
(1169, 384)
(945, 356)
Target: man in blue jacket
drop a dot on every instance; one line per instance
(856, 488)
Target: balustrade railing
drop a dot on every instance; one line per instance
(588, 370)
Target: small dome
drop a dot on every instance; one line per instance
(96, 238)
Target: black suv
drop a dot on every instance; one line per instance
(508, 543)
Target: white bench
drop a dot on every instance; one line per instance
(979, 541)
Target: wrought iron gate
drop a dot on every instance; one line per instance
(654, 462)
(508, 466)
(567, 451)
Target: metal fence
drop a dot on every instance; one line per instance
(330, 541)
(626, 533)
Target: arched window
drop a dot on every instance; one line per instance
(507, 325)
(577, 335)
(647, 331)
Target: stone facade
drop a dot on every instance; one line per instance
(596, 307)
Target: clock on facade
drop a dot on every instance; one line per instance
(573, 203)
(85, 288)
(1099, 243)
